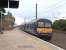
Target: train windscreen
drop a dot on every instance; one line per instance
(44, 24)
(47, 25)
(40, 24)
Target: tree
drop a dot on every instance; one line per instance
(9, 14)
(60, 24)
(3, 10)
(56, 25)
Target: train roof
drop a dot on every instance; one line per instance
(41, 20)
(44, 20)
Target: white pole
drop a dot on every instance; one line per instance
(8, 4)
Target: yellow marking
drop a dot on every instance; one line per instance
(44, 30)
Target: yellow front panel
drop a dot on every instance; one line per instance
(44, 30)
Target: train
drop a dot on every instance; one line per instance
(41, 28)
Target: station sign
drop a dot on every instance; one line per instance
(12, 3)
(3, 3)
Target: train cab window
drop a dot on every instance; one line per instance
(47, 24)
(40, 24)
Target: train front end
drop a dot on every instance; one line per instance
(44, 29)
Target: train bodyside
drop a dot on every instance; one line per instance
(42, 31)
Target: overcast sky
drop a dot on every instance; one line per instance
(49, 9)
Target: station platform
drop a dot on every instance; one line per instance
(19, 40)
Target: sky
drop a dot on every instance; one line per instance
(49, 9)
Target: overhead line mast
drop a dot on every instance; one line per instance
(36, 11)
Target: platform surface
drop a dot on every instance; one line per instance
(19, 40)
